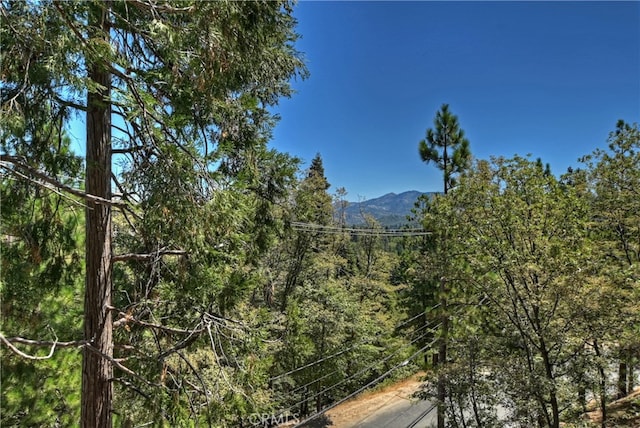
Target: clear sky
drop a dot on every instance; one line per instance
(546, 78)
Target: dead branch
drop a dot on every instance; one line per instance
(119, 365)
(131, 386)
(147, 256)
(44, 180)
(127, 318)
(195, 334)
(8, 341)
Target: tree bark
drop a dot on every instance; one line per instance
(442, 347)
(97, 371)
(553, 396)
(622, 376)
(603, 384)
(442, 357)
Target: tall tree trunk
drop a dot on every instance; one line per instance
(553, 396)
(622, 375)
(442, 357)
(442, 347)
(97, 371)
(603, 384)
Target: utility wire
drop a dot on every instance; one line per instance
(373, 382)
(314, 381)
(317, 361)
(364, 370)
(313, 363)
(402, 324)
(328, 229)
(301, 387)
(404, 363)
(422, 415)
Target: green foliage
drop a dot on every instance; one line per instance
(613, 176)
(42, 394)
(527, 248)
(542, 285)
(40, 268)
(228, 297)
(190, 89)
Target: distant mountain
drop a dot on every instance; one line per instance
(391, 210)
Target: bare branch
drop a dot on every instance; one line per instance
(44, 185)
(69, 344)
(193, 336)
(119, 365)
(147, 256)
(155, 8)
(45, 180)
(130, 385)
(127, 318)
(128, 150)
(8, 341)
(67, 103)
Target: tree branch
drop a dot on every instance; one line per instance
(148, 256)
(165, 8)
(8, 341)
(132, 386)
(46, 181)
(71, 104)
(127, 318)
(118, 364)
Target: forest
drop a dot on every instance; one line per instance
(180, 272)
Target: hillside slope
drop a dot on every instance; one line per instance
(391, 210)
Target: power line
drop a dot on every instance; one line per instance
(416, 316)
(404, 363)
(355, 231)
(313, 363)
(373, 382)
(314, 381)
(364, 370)
(422, 415)
(361, 342)
(317, 361)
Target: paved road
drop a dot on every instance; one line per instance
(401, 414)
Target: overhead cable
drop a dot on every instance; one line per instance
(356, 231)
(313, 363)
(360, 372)
(373, 382)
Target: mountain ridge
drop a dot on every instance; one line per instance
(390, 209)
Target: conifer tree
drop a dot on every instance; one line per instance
(177, 95)
(312, 206)
(446, 146)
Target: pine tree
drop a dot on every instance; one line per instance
(312, 206)
(446, 146)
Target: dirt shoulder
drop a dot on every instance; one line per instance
(622, 413)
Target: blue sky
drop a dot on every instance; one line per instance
(546, 78)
